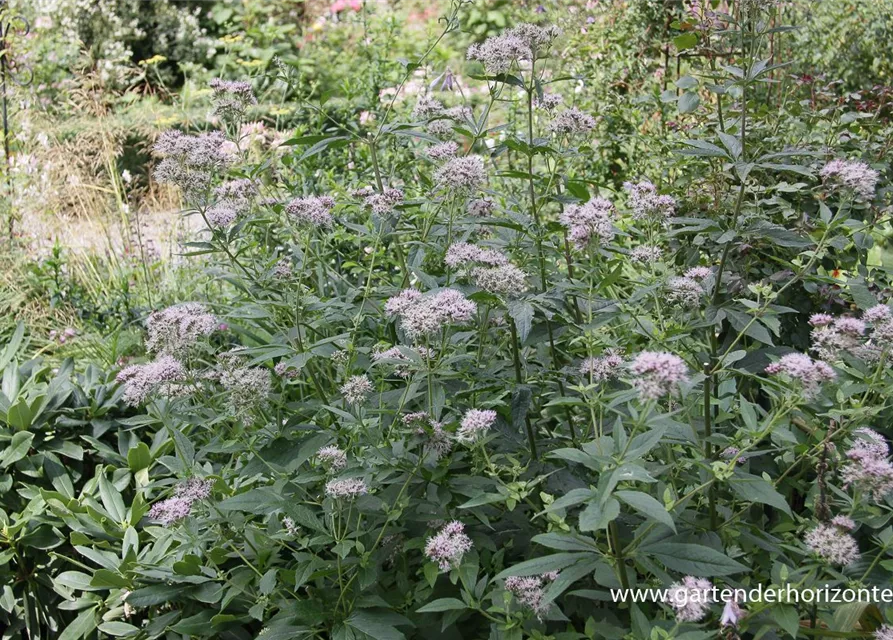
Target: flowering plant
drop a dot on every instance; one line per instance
(460, 389)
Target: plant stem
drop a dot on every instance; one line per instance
(516, 357)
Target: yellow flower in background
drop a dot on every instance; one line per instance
(279, 111)
(156, 59)
(232, 39)
(249, 63)
(167, 121)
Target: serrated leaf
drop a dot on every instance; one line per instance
(755, 489)
(647, 506)
(693, 559)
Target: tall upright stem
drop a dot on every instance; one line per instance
(519, 378)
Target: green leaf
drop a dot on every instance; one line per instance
(111, 498)
(847, 616)
(484, 498)
(80, 626)
(563, 542)
(732, 143)
(755, 489)
(787, 618)
(693, 559)
(596, 517)
(443, 604)
(257, 501)
(268, 582)
(701, 148)
(688, 102)
(118, 629)
(374, 625)
(647, 506)
(156, 594)
(12, 347)
(17, 448)
(522, 315)
(686, 41)
(536, 566)
(74, 580)
(139, 457)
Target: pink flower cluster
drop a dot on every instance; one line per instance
(332, 457)
(808, 372)
(690, 598)
(232, 98)
(178, 506)
(312, 211)
(164, 377)
(175, 330)
(191, 162)
(646, 203)
(590, 221)
(460, 254)
(833, 544)
(657, 373)
(422, 315)
(530, 591)
(448, 546)
(866, 338)
(851, 175)
(602, 368)
(868, 467)
(475, 423)
(346, 488)
(572, 122)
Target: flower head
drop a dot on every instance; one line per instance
(657, 373)
(832, 544)
(232, 98)
(868, 467)
(383, 203)
(331, 457)
(422, 315)
(178, 506)
(850, 175)
(356, 389)
(647, 204)
(442, 151)
(885, 632)
(572, 122)
(530, 591)
(505, 279)
(247, 387)
(346, 488)
(164, 377)
(549, 101)
(731, 613)
(314, 211)
(646, 254)
(463, 174)
(684, 291)
(602, 368)
(479, 208)
(427, 107)
(175, 330)
(475, 422)
(808, 372)
(590, 221)
(447, 547)
(690, 598)
(191, 162)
